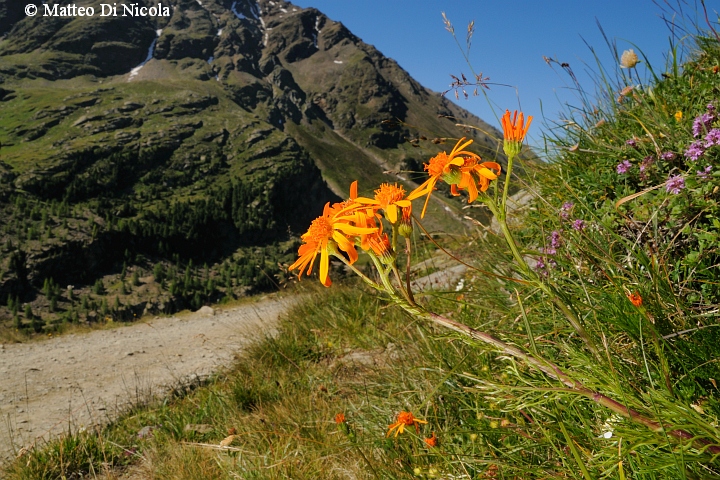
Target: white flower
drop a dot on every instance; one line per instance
(629, 59)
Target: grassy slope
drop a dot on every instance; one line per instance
(156, 114)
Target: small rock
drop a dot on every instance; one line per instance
(205, 310)
(146, 431)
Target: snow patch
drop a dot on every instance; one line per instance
(237, 14)
(210, 60)
(151, 51)
(265, 38)
(317, 31)
(219, 32)
(338, 62)
(199, 2)
(284, 10)
(256, 12)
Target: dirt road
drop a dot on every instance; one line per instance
(85, 379)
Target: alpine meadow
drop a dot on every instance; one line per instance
(464, 305)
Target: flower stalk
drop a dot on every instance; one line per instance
(358, 222)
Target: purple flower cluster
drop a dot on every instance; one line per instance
(541, 267)
(702, 124)
(698, 147)
(675, 184)
(702, 127)
(555, 241)
(712, 138)
(707, 135)
(695, 150)
(565, 210)
(623, 167)
(703, 174)
(579, 225)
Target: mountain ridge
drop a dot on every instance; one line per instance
(231, 117)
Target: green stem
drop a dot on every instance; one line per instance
(407, 273)
(401, 287)
(500, 215)
(364, 277)
(384, 275)
(506, 187)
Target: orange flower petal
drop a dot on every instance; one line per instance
(487, 173)
(324, 267)
(391, 213)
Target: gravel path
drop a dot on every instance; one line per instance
(86, 379)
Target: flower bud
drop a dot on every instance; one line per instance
(512, 148)
(405, 229)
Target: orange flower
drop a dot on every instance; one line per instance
(635, 299)
(447, 167)
(389, 198)
(514, 132)
(431, 441)
(474, 175)
(405, 419)
(380, 244)
(340, 418)
(327, 232)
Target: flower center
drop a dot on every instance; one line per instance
(406, 418)
(437, 164)
(388, 194)
(320, 229)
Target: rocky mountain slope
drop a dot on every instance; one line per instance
(156, 163)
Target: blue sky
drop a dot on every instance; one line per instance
(511, 37)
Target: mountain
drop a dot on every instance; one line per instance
(151, 163)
